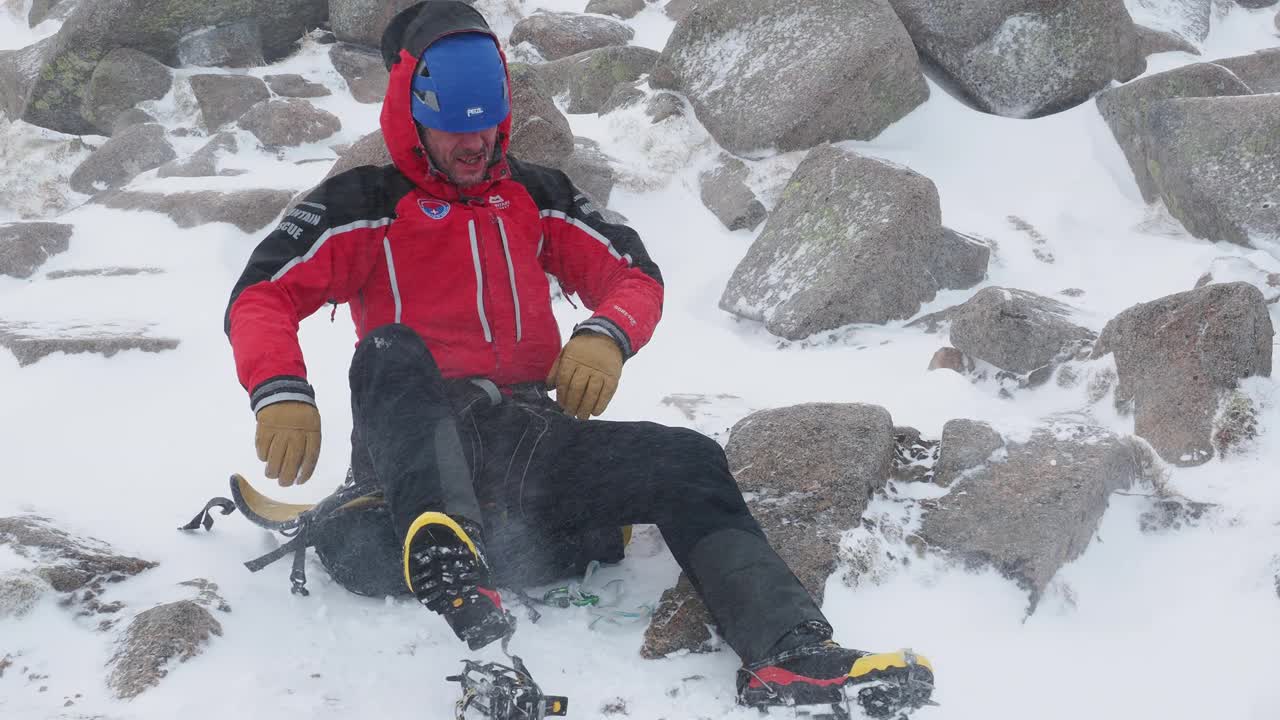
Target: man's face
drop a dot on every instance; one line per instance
(463, 157)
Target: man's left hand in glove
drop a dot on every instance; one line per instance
(586, 374)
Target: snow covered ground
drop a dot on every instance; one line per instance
(1176, 625)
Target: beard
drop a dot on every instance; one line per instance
(459, 173)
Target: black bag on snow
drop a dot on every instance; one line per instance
(352, 534)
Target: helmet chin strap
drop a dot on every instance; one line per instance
(497, 149)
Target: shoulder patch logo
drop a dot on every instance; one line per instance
(435, 209)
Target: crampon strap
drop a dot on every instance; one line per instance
(205, 518)
(601, 603)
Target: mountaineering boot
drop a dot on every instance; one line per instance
(817, 673)
(445, 568)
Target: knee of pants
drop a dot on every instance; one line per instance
(394, 343)
(697, 461)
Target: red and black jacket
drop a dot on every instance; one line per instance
(466, 268)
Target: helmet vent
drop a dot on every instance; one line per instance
(428, 98)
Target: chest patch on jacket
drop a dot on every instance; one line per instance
(435, 209)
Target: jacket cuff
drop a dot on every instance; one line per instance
(605, 326)
(281, 388)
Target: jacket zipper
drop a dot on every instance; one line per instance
(511, 273)
(391, 271)
(475, 258)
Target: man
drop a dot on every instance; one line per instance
(443, 259)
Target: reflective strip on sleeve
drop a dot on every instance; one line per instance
(560, 215)
(320, 241)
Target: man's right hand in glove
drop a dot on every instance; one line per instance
(288, 440)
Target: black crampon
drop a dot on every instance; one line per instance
(500, 692)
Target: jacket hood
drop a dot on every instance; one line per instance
(410, 33)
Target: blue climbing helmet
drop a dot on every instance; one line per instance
(460, 85)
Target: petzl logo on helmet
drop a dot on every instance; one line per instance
(435, 209)
(473, 111)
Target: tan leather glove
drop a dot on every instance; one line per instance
(586, 374)
(288, 440)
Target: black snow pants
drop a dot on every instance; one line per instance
(459, 448)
